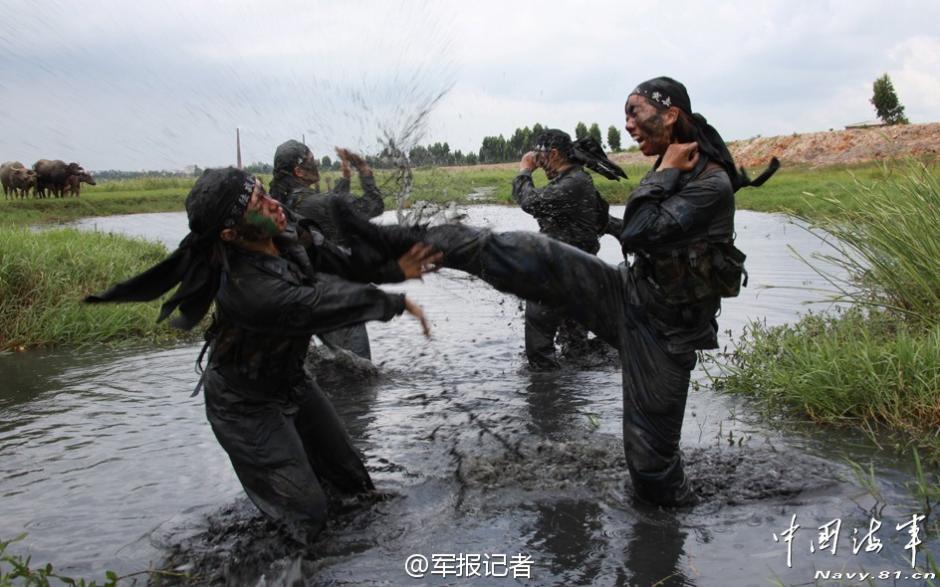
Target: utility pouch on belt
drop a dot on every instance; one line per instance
(699, 271)
(728, 272)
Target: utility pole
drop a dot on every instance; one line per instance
(238, 148)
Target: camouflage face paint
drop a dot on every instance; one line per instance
(265, 224)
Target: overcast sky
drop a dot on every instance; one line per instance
(162, 85)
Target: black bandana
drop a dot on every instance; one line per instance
(664, 92)
(217, 201)
(584, 151)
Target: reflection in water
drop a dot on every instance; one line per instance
(109, 444)
(556, 403)
(653, 555)
(568, 532)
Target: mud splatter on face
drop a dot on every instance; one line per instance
(654, 128)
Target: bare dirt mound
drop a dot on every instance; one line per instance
(816, 149)
(843, 147)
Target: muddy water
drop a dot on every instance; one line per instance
(108, 464)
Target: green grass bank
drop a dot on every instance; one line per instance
(875, 366)
(45, 274)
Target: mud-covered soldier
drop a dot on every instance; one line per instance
(568, 209)
(286, 443)
(679, 224)
(296, 176)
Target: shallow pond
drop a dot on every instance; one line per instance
(107, 463)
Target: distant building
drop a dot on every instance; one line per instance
(866, 124)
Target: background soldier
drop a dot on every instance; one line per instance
(568, 209)
(295, 175)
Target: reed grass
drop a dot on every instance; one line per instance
(876, 365)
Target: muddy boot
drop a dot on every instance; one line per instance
(669, 488)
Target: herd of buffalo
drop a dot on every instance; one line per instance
(47, 178)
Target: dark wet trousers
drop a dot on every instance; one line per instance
(542, 323)
(585, 288)
(354, 339)
(284, 452)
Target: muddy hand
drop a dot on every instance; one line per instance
(416, 311)
(529, 161)
(419, 259)
(355, 159)
(343, 155)
(681, 156)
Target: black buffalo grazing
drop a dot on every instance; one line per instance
(53, 176)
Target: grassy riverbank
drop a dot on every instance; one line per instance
(46, 313)
(45, 274)
(805, 191)
(875, 366)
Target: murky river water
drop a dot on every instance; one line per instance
(107, 463)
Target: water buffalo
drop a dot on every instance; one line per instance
(17, 180)
(73, 184)
(53, 176)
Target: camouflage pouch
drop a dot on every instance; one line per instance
(728, 272)
(699, 272)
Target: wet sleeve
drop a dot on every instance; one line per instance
(555, 198)
(657, 212)
(274, 305)
(360, 263)
(342, 186)
(371, 203)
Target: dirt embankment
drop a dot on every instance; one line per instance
(819, 149)
(843, 147)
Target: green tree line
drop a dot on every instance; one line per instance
(499, 149)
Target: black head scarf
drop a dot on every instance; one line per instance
(287, 156)
(217, 201)
(664, 92)
(584, 151)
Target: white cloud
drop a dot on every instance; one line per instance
(139, 85)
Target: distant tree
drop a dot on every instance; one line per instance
(537, 129)
(471, 158)
(259, 167)
(886, 102)
(580, 131)
(595, 133)
(520, 142)
(419, 156)
(613, 138)
(326, 163)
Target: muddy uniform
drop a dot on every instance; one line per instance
(281, 433)
(314, 206)
(570, 210)
(672, 223)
